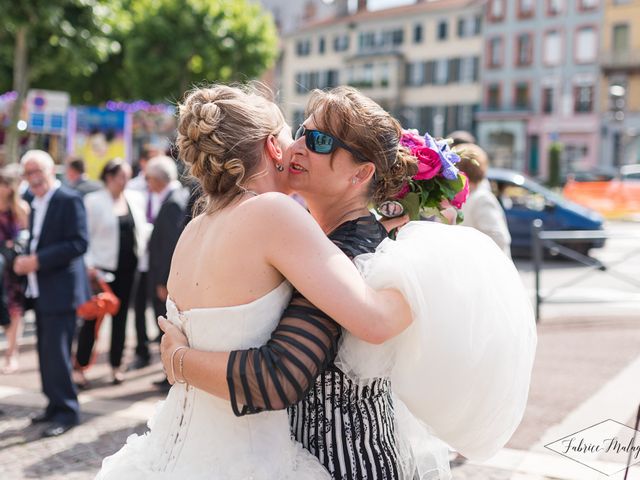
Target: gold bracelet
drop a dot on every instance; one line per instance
(173, 372)
(181, 363)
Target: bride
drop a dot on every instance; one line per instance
(228, 289)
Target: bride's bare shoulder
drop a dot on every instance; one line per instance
(274, 206)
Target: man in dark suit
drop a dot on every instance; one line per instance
(169, 210)
(77, 178)
(57, 284)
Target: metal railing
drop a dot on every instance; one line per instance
(550, 240)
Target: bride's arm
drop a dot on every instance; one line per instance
(324, 275)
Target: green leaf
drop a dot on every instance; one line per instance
(411, 204)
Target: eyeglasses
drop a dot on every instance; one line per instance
(323, 143)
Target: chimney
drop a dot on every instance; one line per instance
(362, 6)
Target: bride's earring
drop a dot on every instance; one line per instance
(279, 167)
(354, 180)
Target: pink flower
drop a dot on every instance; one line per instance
(428, 163)
(462, 195)
(411, 139)
(403, 191)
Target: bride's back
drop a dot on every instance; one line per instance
(222, 133)
(219, 261)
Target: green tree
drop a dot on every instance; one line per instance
(171, 45)
(555, 167)
(48, 43)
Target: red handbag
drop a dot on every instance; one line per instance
(102, 303)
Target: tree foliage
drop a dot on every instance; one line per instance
(136, 49)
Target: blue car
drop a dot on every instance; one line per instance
(525, 200)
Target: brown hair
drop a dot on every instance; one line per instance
(221, 135)
(368, 129)
(10, 177)
(473, 161)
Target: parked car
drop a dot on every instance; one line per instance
(525, 200)
(630, 173)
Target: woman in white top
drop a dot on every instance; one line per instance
(117, 235)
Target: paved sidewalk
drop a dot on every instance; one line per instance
(574, 362)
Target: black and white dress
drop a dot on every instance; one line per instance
(349, 427)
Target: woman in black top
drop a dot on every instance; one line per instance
(347, 141)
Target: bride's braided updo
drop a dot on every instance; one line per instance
(221, 135)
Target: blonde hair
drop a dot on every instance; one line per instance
(368, 129)
(221, 136)
(474, 161)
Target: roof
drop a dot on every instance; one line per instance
(405, 10)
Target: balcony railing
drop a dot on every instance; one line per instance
(620, 60)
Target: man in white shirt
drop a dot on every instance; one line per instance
(482, 210)
(57, 285)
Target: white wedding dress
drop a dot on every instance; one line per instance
(194, 435)
(460, 372)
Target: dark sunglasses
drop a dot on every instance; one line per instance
(323, 143)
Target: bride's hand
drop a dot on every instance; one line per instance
(172, 339)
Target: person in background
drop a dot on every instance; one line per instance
(141, 287)
(461, 136)
(482, 210)
(14, 218)
(77, 178)
(117, 235)
(57, 285)
(168, 212)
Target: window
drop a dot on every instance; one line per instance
(332, 79)
(493, 97)
(552, 48)
(467, 70)
(384, 74)
(589, 4)
(303, 47)
(321, 46)
(429, 72)
(454, 70)
(494, 56)
(621, 37)
(497, 10)
(586, 45)
(477, 25)
(415, 74)
(397, 37)
(442, 30)
(547, 99)
(442, 72)
(341, 43)
(417, 33)
(526, 8)
(522, 100)
(583, 99)
(555, 7)
(524, 50)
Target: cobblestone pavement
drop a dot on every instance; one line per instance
(574, 361)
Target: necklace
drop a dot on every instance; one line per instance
(343, 217)
(250, 192)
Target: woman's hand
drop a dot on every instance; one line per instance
(395, 222)
(172, 339)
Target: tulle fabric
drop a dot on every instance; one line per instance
(463, 367)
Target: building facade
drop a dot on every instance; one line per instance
(540, 82)
(620, 82)
(421, 62)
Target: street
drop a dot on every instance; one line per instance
(586, 372)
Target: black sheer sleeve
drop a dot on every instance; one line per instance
(281, 372)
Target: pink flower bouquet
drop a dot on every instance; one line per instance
(439, 189)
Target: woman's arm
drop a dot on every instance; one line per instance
(324, 275)
(271, 377)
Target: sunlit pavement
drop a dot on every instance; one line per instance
(586, 371)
